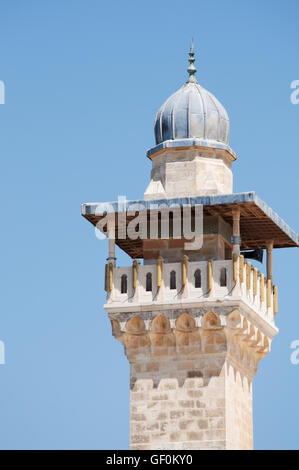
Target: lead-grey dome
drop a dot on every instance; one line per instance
(192, 112)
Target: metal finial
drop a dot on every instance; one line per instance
(191, 69)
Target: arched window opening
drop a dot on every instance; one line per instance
(223, 279)
(124, 284)
(173, 280)
(148, 282)
(197, 278)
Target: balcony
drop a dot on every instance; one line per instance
(190, 285)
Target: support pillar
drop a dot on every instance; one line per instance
(270, 260)
(111, 239)
(236, 240)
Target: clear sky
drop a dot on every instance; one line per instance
(83, 81)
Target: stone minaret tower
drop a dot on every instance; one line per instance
(194, 319)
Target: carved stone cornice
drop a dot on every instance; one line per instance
(229, 336)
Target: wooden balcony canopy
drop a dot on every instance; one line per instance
(258, 222)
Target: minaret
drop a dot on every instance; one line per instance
(195, 319)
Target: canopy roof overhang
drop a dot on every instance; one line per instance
(259, 224)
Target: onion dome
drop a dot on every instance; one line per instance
(191, 116)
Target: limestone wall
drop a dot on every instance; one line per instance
(190, 172)
(180, 412)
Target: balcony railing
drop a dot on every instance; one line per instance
(191, 282)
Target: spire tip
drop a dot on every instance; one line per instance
(191, 69)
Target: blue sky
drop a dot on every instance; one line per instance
(84, 80)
